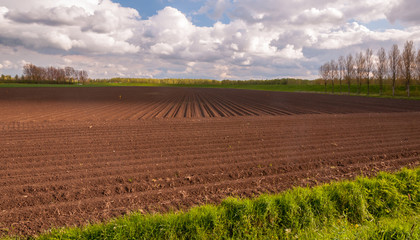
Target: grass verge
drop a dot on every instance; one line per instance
(383, 207)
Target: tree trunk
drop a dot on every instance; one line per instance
(380, 86)
(393, 84)
(368, 86)
(408, 88)
(349, 86)
(393, 89)
(340, 85)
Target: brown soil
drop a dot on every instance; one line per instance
(133, 103)
(70, 156)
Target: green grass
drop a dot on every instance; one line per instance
(383, 207)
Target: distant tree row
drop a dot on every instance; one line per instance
(168, 81)
(282, 81)
(37, 74)
(365, 67)
(184, 81)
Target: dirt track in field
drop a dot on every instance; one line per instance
(69, 162)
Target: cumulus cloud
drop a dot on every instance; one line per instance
(171, 33)
(273, 11)
(316, 16)
(215, 8)
(407, 11)
(56, 16)
(274, 39)
(92, 27)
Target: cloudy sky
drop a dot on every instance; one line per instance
(217, 39)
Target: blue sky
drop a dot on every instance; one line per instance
(148, 8)
(216, 39)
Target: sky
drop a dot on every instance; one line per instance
(212, 39)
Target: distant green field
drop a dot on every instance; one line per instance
(383, 207)
(400, 91)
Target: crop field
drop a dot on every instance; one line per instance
(74, 156)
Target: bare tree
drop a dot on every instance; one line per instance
(408, 63)
(29, 70)
(360, 70)
(324, 71)
(368, 66)
(83, 76)
(333, 72)
(418, 65)
(394, 59)
(381, 68)
(38, 74)
(61, 75)
(341, 69)
(349, 72)
(69, 73)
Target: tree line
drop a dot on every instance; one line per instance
(185, 81)
(365, 67)
(35, 74)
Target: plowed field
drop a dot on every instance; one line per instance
(69, 156)
(133, 103)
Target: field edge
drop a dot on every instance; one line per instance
(386, 204)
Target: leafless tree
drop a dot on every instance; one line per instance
(29, 70)
(52, 74)
(368, 66)
(69, 73)
(408, 63)
(324, 71)
(381, 68)
(83, 76)
(349, 66)
(341, 69)
(360, 70)
(418, 65)
(333, 73)
(61, 75)
(394, 59)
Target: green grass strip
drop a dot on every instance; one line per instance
(383, 207)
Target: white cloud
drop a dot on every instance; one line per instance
(406, 11)
(7, 64)
(274, 11)
(56, 16)
(215, 8)
(162, 49)
(274, 39)
(291, 53)
(90, 26)
(316, 16)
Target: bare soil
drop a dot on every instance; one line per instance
(134, 103)
(72, 156)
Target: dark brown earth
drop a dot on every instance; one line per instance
(69, 156)
(134, 103)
